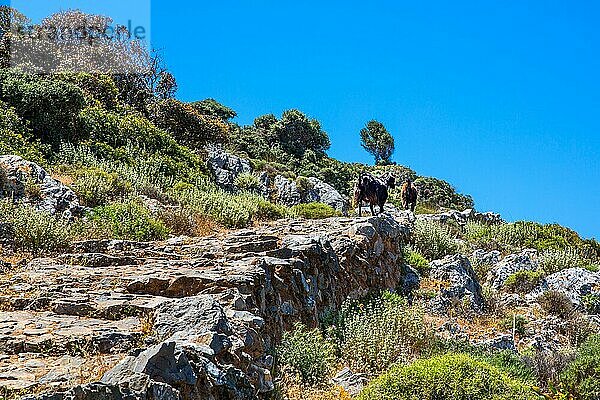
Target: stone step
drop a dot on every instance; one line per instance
(48, 333)
(37, 372)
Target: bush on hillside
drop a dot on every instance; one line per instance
(213, 108)
(100, 90)
(132, 139)
(447, 377)
(373, 334)
(308, 353)
(187, 125)
(523, 282)
(314, 211)
(433, 240)
(507, 361)
(552, 260)
(50, 106)
(96, 187)
(417, 261)
(15, 138)
(33, 231)
(582, 376)
(556, 303)
(128, 220)
(441, 193)
(558, 243)
(247, 183)
(227, 209)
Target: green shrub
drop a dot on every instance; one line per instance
(438, 192)
(34, 231)
(553, 260)
(96, 187)
(591, 303)
(507, 361)
(426, 208)
(247, 182)
(97, 87)
(128, 220)
(227, 209)
(558, 243)
(303, 184)
(373, 334)
(447, 377)
(314, 211)
(187, 125)
(523, 281)
(15, 137)
(417, 261)
(582, 376)
(516, 322)
(50, 106)
(308, 353)
(433, 240)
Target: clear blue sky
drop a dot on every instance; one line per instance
(501, 99)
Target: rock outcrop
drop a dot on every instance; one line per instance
(524, 261)
(462, 287)
(22, 180)
(186, 318)
(462, 217)
(572, 282)
(226, 167)
(289, 194)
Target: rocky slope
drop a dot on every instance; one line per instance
(185, 318)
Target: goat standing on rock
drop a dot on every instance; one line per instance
(409, 196)
(370, 189)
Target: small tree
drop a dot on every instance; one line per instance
(377, 141)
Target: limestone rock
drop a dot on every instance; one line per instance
(51, 196)
(289, 194)
(226, 167)
(524, 261)
(457, 273)
(573, 282)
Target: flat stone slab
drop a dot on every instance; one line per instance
(48, 333)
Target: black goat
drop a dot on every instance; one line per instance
(370, 189)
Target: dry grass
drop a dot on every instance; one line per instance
(65, 179)
(290, 387)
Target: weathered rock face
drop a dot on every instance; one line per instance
(524, 261)
(204, 311)
(226, 167)
(462, 217)
(573, 282)
(26, 181)
(289, 194)
(462, 286)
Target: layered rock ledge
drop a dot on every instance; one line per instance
(185, 318)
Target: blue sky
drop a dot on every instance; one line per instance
(501, 99)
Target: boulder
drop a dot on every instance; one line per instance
(524, 261)
(25, 181)
(165, 363)
(351, 382)
(226, 167)
(287, 191)
(457, 273)
(289, 194)
(573, 282)
(462, 217)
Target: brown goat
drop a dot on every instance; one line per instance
(372, 190)
(409, 196)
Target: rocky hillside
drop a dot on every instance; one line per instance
(154, 249)
(216, 317)
(189, 317)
